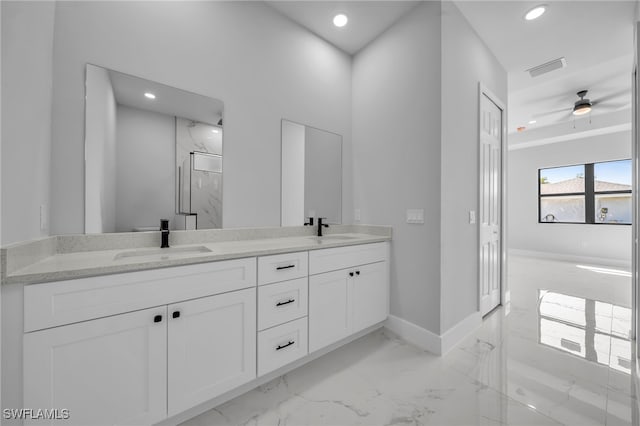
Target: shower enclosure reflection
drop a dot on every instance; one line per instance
(199, 168)
(151, 151)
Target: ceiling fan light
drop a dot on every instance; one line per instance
(581, 109)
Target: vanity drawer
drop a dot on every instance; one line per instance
(333, 259)
(281, 345)
(281, 267)
(64, 302)
(282, 302)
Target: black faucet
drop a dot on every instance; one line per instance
(164, 228)
(320, 225)
(310, 223)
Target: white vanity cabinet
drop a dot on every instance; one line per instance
(211, 347)
(351, 298)
(142, 347)
(110, 370)
(140, 367)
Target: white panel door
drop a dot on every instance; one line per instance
(211, 347)
(108, 371)
(329, 313)
(490, 203)
(370, 301)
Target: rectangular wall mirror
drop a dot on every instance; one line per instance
(311, 174)
(151, 151)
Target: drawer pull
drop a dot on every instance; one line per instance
(285, 303)
(176, 314)
(350, 274)
(291, 342)
(357, 272)
(157, 318)
(285, 267)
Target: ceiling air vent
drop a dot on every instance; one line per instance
(547, 67)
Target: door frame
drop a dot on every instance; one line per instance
(505, 293)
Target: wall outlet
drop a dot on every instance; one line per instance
(415, 215)
(472, 217)
(356, 215)
(44, 222)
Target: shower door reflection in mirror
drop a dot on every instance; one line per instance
(151, 151)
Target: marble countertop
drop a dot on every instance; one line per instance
(58, 266)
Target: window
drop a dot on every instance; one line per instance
(595, 193)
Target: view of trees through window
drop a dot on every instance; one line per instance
(596, 193)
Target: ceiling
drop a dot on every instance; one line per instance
(595, 37)
(367, 19)
(129, 90)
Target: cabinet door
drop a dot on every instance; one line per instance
(211, 347)
(106, 371)
(328, 308)
(370, 301)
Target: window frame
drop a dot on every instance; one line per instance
(589, 194)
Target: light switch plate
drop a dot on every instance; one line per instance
(472, 217)
(415, 215)
(43, 217)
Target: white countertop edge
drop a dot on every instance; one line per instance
(24, 276)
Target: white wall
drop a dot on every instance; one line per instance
(466, 60)
(415, 139)
(100, 158)
(145, 195)
(260, 64)
(322, 177)
(396, 154)
(27, 42)
(525, 233)
(293, 145)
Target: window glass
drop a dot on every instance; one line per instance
(566, 208)
(612, 176)
(613, 208)
(562, 180)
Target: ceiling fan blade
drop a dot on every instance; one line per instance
(557, 111)
(612, 96)
(610, 106)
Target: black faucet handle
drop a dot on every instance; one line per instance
(320, 219)
(164, 224)
(310, 223)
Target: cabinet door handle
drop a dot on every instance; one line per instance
(285, 267)
(285, 303)
(157, 318)
(357, 272)
(291, 342)
(350, 274)
(176, 314)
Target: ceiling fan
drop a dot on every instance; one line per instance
(584, 105)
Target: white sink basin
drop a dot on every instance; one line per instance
(161, 253)
(334, 238)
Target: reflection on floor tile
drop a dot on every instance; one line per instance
(561, 355)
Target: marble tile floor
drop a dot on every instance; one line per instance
(558, 353)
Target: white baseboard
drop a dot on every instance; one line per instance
(458, 332)
(414, 334)
(429, 341)
(625, 263)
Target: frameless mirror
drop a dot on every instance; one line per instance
(151, 151)
(311, 174)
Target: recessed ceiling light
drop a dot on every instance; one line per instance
(533, 122)
(149, 95)
(536, 12)
(340, 20)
